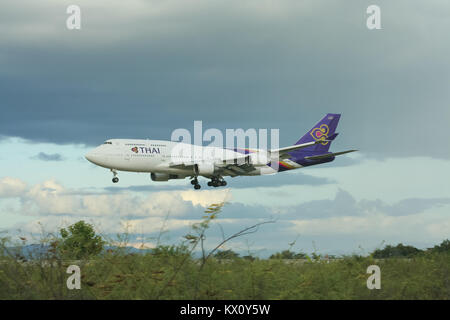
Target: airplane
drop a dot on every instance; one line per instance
(167, 160)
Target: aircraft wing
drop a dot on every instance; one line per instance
(328, 155)
(232, 167)
(238, 161)
(181, 165)
(236, 169)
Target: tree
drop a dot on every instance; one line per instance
(249, 258)
(172, 250)
(287, 254)
(300, 255)
(399, 251)
(443, 247)
(79, 241)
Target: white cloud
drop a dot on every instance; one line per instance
(47, 197)
(147, 214)
(136, 245)
(11, 187)
(205, 198)
(392, 179)
(428, 226)
(440, 229)
(52, 198)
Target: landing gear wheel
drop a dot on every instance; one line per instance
(217, 182)
(115, 179)
(194, 182)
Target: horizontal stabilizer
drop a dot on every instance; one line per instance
(299, 146)
(328, 155)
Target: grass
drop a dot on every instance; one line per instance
(177, 275)
(172, 272)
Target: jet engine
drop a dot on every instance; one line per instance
(204, 169)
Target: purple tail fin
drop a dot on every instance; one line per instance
(323, 130)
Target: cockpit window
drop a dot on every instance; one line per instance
(108, 142)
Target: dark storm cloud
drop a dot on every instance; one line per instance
(151, 67)
(48, 157)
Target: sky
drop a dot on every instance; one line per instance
(141, 69)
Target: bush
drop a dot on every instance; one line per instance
(79, 241)
(444, 247)
(226, 254)
(287, 254)
(399, 251)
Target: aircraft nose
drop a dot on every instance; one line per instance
(89, 156)
(92, 157)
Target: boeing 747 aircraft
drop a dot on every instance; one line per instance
(166, 160)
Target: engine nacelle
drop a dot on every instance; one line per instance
(164, 176)
(259, 158)
(204, 169)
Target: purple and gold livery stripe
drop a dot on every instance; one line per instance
(285, 165)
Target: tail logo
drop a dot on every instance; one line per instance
(321, 133)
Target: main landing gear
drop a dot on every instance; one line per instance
(195, 183)
(115, 179)
(217, 182)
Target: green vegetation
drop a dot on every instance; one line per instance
(79, 241)
(226, 254)
(444, 247)
(398, 251)
(287, 254)
(172, 272)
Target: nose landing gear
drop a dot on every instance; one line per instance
(115, 179)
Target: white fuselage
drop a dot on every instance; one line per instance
(165, 157)
(166, 160)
